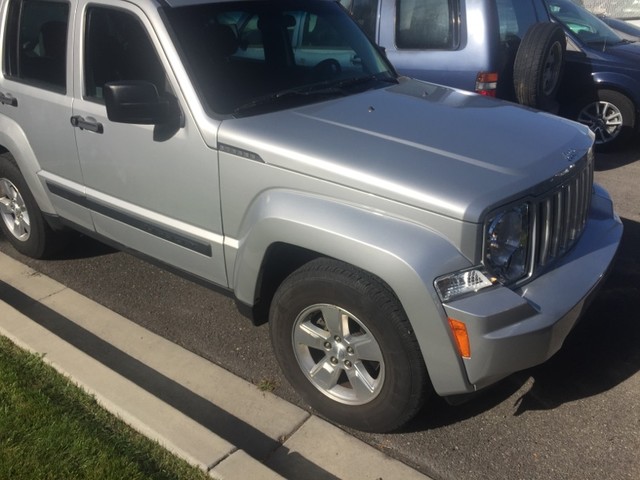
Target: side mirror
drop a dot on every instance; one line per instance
(138, 102)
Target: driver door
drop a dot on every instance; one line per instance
(150, 188)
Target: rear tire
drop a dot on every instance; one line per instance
(347, 347)
(538, 66)
(21, 220)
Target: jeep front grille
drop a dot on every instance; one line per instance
(560, 216)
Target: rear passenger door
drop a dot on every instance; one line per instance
(36, 88)
(151, 188)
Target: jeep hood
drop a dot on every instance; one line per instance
(428, 146)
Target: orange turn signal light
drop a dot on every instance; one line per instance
(459, 330)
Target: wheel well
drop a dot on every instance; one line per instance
(627, 93)
(280, 260)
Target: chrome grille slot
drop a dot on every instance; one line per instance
(561, 216)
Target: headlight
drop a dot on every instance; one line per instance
(507, 243)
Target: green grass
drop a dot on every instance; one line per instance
(50, 429)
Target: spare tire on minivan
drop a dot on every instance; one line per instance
(538, 66)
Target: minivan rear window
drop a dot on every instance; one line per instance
(515, 17)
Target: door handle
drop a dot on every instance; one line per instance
(8, 99)
(86, 124)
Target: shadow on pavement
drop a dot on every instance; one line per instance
(81, 247)
(604, 349)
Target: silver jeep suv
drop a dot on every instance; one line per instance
(401, 238)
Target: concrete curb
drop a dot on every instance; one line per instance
(197, 410)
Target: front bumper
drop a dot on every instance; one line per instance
(510, 330)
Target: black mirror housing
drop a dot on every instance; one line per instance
(136, 102)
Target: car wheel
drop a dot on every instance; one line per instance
(539, 65)
(611, 117)
(21, 220)
(347, 347)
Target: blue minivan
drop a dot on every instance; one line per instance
(467, 44)
(549, 54)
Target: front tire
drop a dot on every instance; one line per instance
(21, 220)
(611, 117)
(347, 347)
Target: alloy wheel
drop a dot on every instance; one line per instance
(604, 119)
(338, 354)
(13, 211)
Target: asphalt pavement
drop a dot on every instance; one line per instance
(202, 413)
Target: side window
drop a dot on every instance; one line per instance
(427, 24)
(365, 12)
(251, 38)
(117, 48)
(36, 43)
(515, 17)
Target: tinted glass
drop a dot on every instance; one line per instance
(515, 17)
(36, 43)
(426, 24)
(585, 26)
(118, 49)
(365, 12)
(274, 54)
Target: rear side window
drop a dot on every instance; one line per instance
(427, 24)
(515, 18)
(36, 43)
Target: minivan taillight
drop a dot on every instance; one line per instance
(486, 83)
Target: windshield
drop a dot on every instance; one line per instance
(246, 57)
(584, 25)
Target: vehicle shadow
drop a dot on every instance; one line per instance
(604, 349)
(600, 353)
(76, 247)
(81, 247)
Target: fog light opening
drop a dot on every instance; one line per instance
(459, 330)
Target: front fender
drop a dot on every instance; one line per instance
(13, 138)
(405, 255)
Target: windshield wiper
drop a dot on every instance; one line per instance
(288, 93)
(323, 89)
(361, 80)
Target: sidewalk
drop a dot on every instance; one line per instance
(197, 410)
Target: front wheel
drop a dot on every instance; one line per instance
(347, 347)
(611, 117)
(21, 220)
